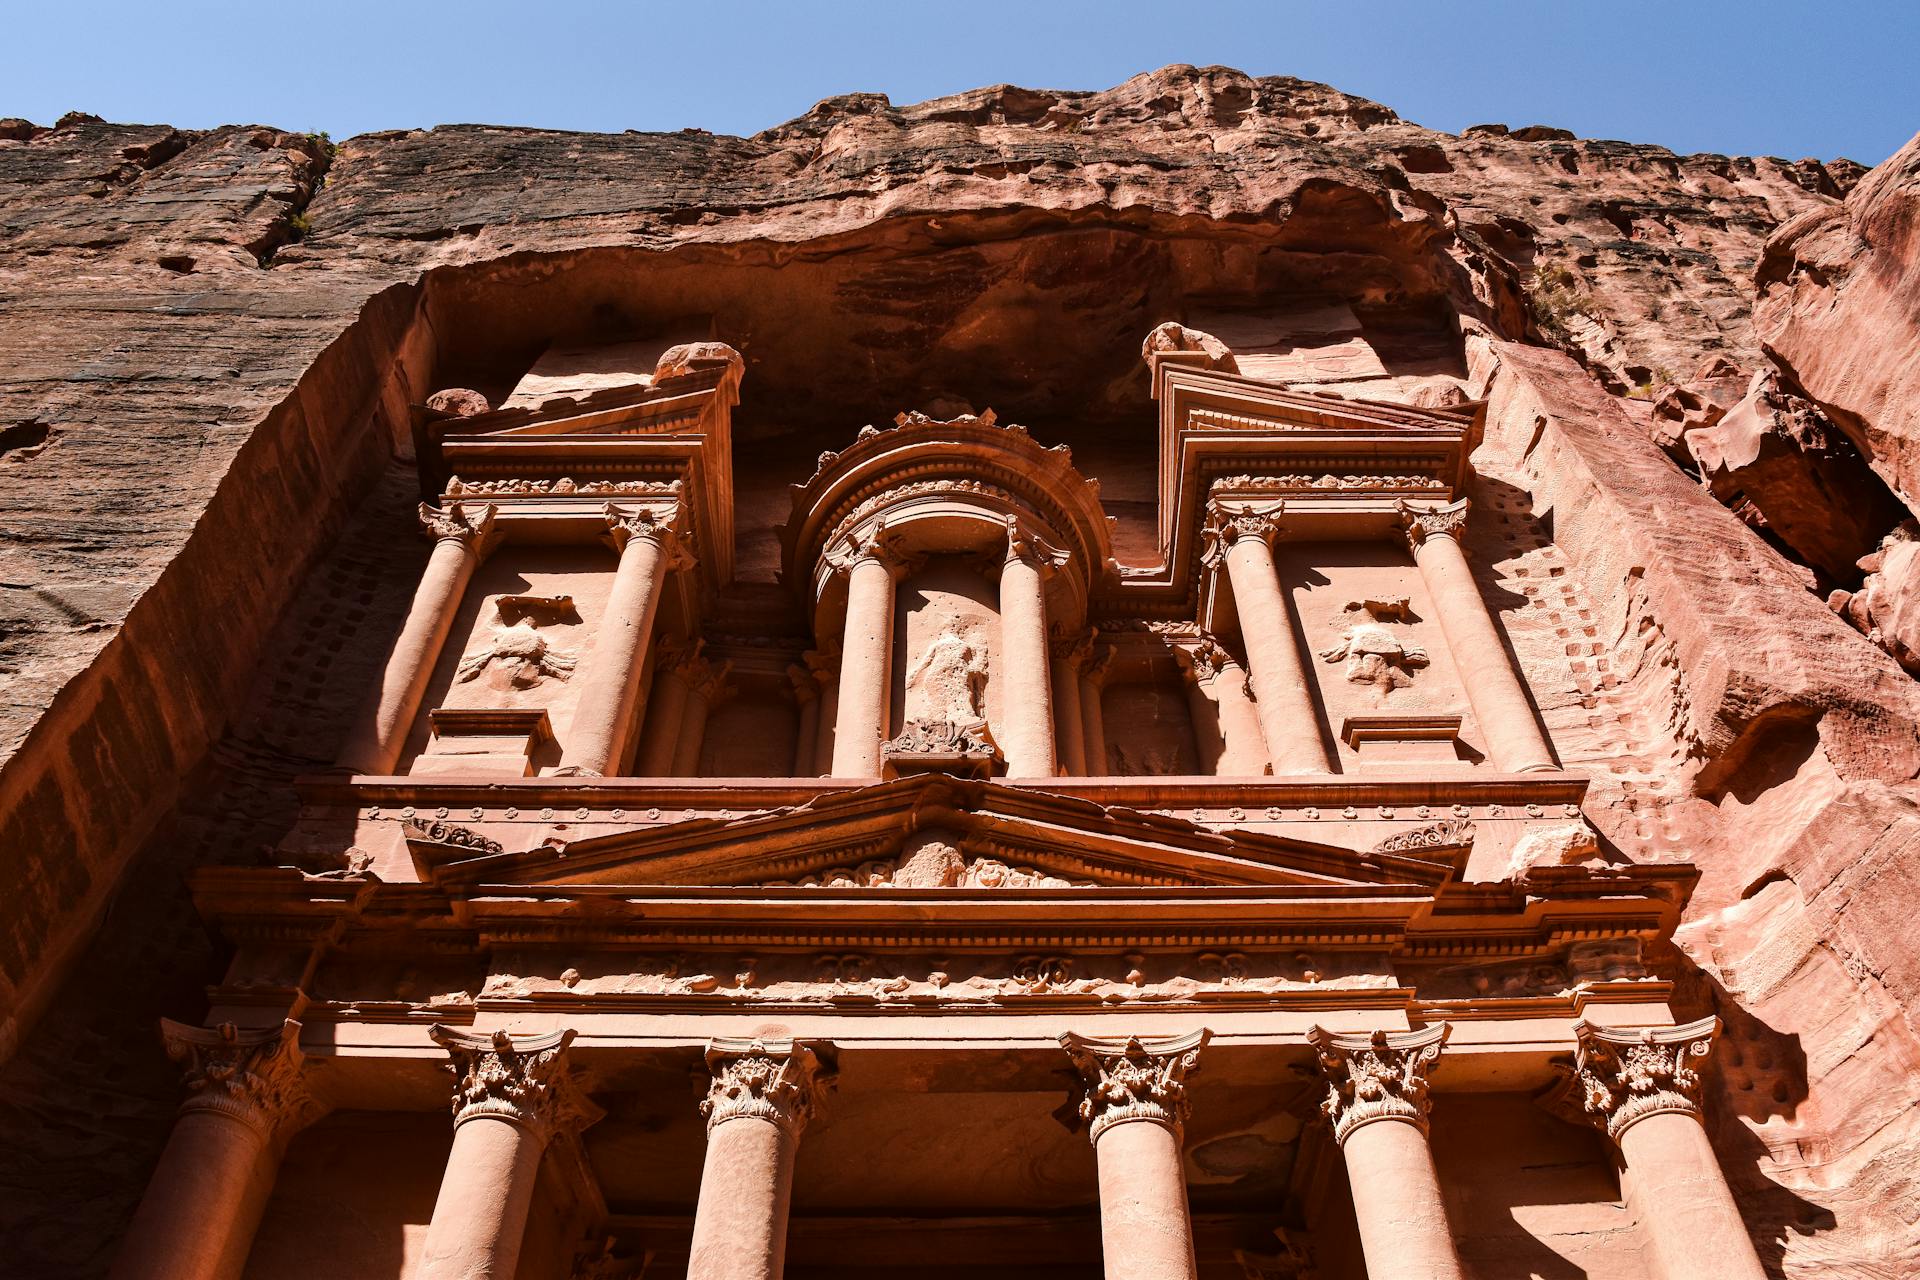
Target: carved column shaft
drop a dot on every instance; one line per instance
(762, 1095)
(825, 665)
(1093, 716)
(1288, 717)
(1023, 665)
(866, 660)
(666, 709)
(1135, 1106)
(1224, 719)
(704, 685)
(379, 734)
(1377, 1101)
(1642, 1089)
(806, 732)
(603, 722)
(1499, 700)
(510, 1098)
(1070, 654)
(203, 1204)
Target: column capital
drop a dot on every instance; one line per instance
(823, 664)
(522, 1079)
(1419, 523)
(1377, 1076)
(1227, 524)
(805, 687)
(1622, 1075)
(780, 1081)
(456, 522)
(1203, 659)
(1074, 648)
(1133, 1079)
(666, 531)
(257, 1077)
(876, 542)
(1028, 547)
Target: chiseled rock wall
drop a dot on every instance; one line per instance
(209, 343)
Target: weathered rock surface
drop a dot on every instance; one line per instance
(210, 344)
(1837, 310)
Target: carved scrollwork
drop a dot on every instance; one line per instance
(446, 833)
(1026, 545)
(1204, 660)
(1420, 523)
(524, 1079)
(254, 1076)
(1454, 833)
(1130, 1079)
(779, 1081)
(456, 522)
(1381, 1076)
(1620, 1076)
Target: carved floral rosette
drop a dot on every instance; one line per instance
(1377, 1076)
(256, 1077)
(1132, 1079)
(1621, 1076)
(521, 1079)
(779, 1081)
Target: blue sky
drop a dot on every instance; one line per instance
(1783, 78)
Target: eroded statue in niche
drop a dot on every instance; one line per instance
(518, 657)
(948, 680)
(1373, 653)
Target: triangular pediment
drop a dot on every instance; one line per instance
(935, 832)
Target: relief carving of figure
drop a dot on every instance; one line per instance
(947, 681)
(1373, 653)
(518, 657)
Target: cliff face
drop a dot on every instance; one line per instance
(210, 343)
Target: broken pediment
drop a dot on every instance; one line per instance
(936, 832)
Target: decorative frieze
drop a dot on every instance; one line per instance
(1343, 483)
(1621, 1075)
(779, 1081)
(522, 1079)
(1377, 1076)
(562, 486)
(254, 1076)
(1454, 833)
(1126, 1080)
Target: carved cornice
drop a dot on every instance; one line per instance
(1422, 522)
(664, 530)
(1381, 1076)
(522, 1079)
(255, 1076)
(1132, 1079)
(458, 523)
(779, 1081)
(1620, 1076)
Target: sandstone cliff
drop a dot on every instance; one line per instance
(210, 343)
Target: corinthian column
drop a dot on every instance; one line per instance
(824, 663)
(1499, 702)
(806, 732)
(706, 683)
(1640, 1088)
(1217, 685)
(1022, 666)
(762, 1095)
(510, 1097)
(1377, 1101)
(666, 708)
(1093, 718)
(1291, 722)
(871, 562)
(650, 547)
(245, 1097)
(461, 540)
(1135, 1108)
